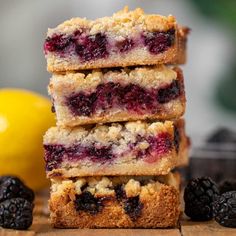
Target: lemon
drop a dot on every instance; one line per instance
(24, 118)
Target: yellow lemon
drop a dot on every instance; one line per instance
(24, 118)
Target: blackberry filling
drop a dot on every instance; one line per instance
(125, 45)
(88, 203)
(169, 92)
(133, 207)
(57, 43)
(92, 47)
(130, 97)
(120, 193)
(158, 42)
(55, 154)
(101, 154)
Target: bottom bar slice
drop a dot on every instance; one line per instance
(116, 202)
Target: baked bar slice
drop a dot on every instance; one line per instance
(132, 148)
(127, 38)
(116, 202)
(155, 92)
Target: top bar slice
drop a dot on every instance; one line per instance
(127, 38)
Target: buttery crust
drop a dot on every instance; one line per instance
(160, 200)
(120, 25)
(62, 86)
(120, 136)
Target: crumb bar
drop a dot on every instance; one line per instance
(154, 92)
(116, 202)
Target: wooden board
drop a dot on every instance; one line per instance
(41, 226)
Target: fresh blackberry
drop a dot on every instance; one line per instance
(199, 195)
(16, 213)
(13, 187)
(224, 209)
(227, 185)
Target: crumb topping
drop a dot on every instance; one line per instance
(122, 23)
(104, 186)
(104, 134)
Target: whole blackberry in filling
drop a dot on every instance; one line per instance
(199, 195)
(158, 42)
(133, 207)
(87, 202)
(13, 187)
(82, 104)
(57, 43)
(16, 213)
(92, 47)
(136, 98)
(224, 209)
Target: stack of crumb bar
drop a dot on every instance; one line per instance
(118, 102)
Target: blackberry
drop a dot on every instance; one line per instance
(227, 185)
(199, 195)
(13, 187)
(133, 207)
(16, 213)
(87, 202)
(224, 209)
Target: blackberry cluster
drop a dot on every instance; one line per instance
(224, 209)
(199, 195)
(13, 187)
(16, 213)
(16, 203)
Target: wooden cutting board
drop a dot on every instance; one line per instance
(41, 226)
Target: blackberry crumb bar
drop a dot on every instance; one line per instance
(116, 202)
(132, 148)
(127, 38)
(155, 92)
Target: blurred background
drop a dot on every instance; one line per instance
(210, 74)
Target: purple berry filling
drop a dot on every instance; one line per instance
(56, 154)
(53, 155)
(158, 42)
(125, 45)
(130, 97)
(93, 205)
(133, 207)
(91, 47)
(169, 92)
(88, 203)
(158, 146)
(57, 43)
